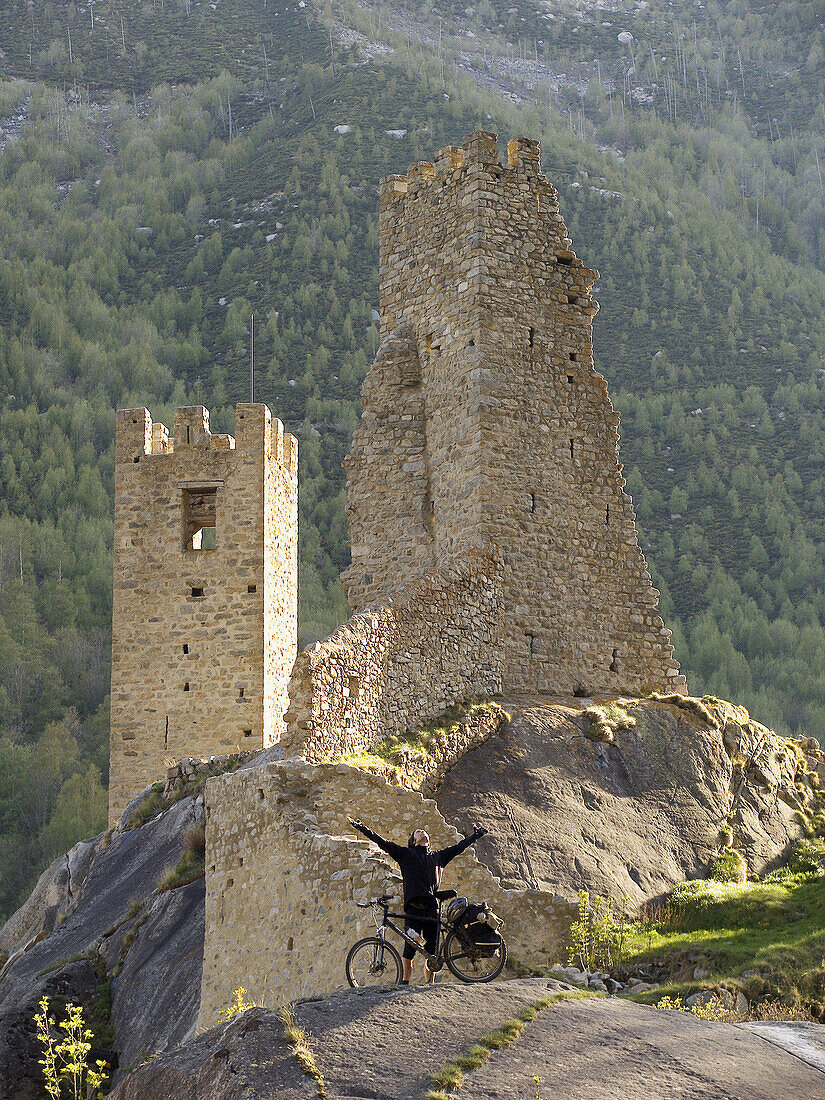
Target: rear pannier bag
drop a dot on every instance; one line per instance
(481, 928)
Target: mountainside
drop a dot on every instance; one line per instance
(169, 170)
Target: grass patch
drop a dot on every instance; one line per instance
(604, 719)
(150, 807)
(429, 742)
(772, 931)
(297, 1038)
(730, 866)
(452, 1075)
(699, 707)
(155, 802)
(190, 867)
(50, 969)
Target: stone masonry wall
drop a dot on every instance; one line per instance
(203, 639)
(390, 668)
(485, 424)
(284, 873)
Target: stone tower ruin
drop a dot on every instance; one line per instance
(204, 625)
(486, 425)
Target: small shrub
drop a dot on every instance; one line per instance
(194, 837)
(730, 866)
(713, 1010)
(238, 1006)
(597, 938)
(772, 1011)
(66, 1047)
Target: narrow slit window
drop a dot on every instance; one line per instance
(186, 686)
(247, 733)
(185, 648)
(607, 515)
(251, 589)
(531, 336)
(573, 357)
(614, 664)
(241, 691)
(197, 593)
(571, 379)
(532, 502)
(199, 518)
(429, 514)
(571, 448)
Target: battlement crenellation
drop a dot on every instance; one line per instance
(138, 436)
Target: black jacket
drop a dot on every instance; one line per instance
(420, 868)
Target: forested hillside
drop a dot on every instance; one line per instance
(169, 169)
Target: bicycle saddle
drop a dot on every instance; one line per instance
(445, 895)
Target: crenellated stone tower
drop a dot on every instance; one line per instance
(486, 424)
(204, 624)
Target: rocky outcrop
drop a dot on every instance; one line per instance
(385, 1044)
(629, 814)
(111, 925)
(633, 816)
(52, 899)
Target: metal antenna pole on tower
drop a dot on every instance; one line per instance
(252, 360)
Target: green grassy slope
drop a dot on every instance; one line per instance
(128, 215)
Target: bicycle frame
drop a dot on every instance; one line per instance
(387, 922)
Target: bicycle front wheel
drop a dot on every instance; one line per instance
(468, 963)
(373, 962)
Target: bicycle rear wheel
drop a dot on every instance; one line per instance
(468, 963)
(373, 962)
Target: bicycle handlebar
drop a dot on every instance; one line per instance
(377, 901)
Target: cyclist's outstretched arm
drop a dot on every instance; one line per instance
(446, 854)
(392, 849)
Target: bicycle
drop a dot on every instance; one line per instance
(372, 961)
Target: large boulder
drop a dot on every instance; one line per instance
(631, 813)
(386, 1044)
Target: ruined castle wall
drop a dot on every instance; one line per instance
(392, 667)
(285, 871)
(515, 438)
(199, 665)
